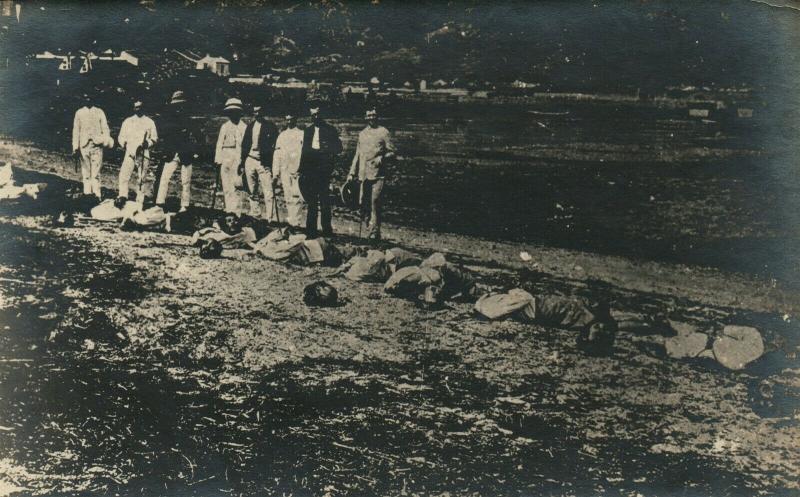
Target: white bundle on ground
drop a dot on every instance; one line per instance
(107, 211)
(11, 191)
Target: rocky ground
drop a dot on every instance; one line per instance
(130, 366)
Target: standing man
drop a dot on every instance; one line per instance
(136, 137)
(258, 146)
(374, 150)
(180, 139)
(90, 134)
(228, 154)
(286, 164)
(321, 145)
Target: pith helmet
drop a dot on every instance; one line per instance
(177, 98)
(233, 104)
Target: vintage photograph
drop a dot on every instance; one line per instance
(442, 248)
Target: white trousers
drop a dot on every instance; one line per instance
(91, 162)
(229, 175)
(294, 200)
(141, 164)
(186, 182)
(252, 169)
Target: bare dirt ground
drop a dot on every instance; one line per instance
(130, 366)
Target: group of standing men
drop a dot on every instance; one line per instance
(250, 156)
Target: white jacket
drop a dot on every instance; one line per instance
(229, 142)
(136, 130)
(90, 124)
(288, 148)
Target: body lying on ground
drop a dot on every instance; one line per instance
(593, 321)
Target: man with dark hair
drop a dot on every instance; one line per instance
(90, 134)
(321, 146)
(258, 146)
(136, 137)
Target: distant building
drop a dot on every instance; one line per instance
(247, 79)
(439, 83)
(523, 84)
(123, 56)
(218, 65)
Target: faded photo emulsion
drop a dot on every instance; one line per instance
(443, 248)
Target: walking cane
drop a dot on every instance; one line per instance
(76, 161)
(216, 187)
(275, 206)
(360, 207)
(142, 169)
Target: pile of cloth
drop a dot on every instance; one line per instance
(11, 191)
(131, 215)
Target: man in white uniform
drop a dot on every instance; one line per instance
(136, 137)
(228, 153)
(285, 166)
(373, 152)
(90, 134)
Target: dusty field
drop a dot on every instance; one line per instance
(130, 366)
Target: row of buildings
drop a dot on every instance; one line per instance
(164, 66)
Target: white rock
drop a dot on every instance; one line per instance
(683, 328)
(686, 345)
(738, 346)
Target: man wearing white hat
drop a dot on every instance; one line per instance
(180, 139)
(228, 153)
(285, 166)
(136, 137)
(90, 134)
(258, 146)
(373, 151)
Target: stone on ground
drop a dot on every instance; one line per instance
(686, 345)
(738, 346)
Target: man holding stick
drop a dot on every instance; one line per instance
(179, 144)
(136, 137)
(285, 166)
(373, 152)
